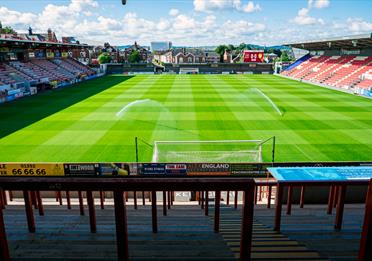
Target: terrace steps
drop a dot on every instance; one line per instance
(267, 244)
(184, 234)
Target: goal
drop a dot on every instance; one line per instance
(213, 151)
(189, 70)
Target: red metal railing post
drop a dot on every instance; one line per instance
(164, 203)
(217, 211)
(269, 197)
(92, 212)
(202, 199)
(101, 198)
(289, 200)
(169, 199)
(81, 203)
(247, 224)
(340, 207)
(135, 199)
(236, 200)
(302, 197)
(121, 226)
(206, 207)
(330, 199)
(29, 212)
(154, 212)
(40, 203)
(33, 198)
(68, 199)
(10, 195)
(278, 208)
(59, 195)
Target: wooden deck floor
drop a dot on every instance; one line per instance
(312, 227)
(185, 234)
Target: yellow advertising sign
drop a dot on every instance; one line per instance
(50, 55)
(31, 170)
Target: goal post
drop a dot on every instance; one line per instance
(189, 70)
(213, 151)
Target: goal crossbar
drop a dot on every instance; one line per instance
(208, 151)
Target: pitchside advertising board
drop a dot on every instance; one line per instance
(254, 170)
(253, 56)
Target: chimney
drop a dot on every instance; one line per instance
(50, 35)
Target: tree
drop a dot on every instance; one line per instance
(6, 29)
(278, 52)
(221, 50)
(241, 47)
(231, 47)
(285, 57)
(134, 57)
(104, 58)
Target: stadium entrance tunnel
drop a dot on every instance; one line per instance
(24, 112)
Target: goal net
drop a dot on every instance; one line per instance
(187, 70)
(225, 151)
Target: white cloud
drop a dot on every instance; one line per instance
(211, 5)
(241, 28)
(183, 22)
(174, 12)
(9, 17)
(321, 4)
(303, 17)
(83, 19)
(358, 25)
(251, 7)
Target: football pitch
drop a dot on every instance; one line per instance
(98, 120)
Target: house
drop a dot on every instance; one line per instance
(116, 56)
(145, 54)
(163, 56)
(227, 57)
(181, 56)
(211, 57)
(184, 56)
(50, 36)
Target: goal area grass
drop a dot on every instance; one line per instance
(98, 120)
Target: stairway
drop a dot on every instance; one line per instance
(267, 244)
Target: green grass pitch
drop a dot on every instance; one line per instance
(81, 123)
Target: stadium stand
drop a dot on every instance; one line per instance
(56, 70)
(78, 67)
(345, 63)
(30, 63)
(336, 71)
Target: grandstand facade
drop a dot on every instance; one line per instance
(344, 63)
(29, 66)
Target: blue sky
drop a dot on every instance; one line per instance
(191, 22)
